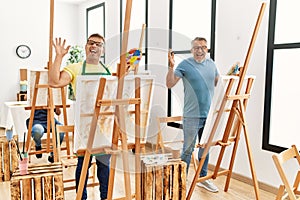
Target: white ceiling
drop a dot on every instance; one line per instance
(72, 1)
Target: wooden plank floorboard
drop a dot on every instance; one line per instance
(237, 190)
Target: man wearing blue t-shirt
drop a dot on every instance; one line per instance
(199, 76)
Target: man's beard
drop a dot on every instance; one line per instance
(92, 58)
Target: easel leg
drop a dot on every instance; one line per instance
(52, 123)
(237, 139)
(28, 139)
(113, 162)
(124, 147)
(112, 172)
(255, 183)
(64, 102)
(84, 170)
(124, 154)
(197, 173)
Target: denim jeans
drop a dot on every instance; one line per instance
(193, 128)
(38, 131)
(102, 174)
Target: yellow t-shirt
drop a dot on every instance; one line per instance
(76, 69)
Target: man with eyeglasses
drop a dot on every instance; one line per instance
(92, 65)
(199, 76)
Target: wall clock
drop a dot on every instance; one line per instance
(23, 51)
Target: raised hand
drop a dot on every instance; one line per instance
(171, 58)
(60, 48)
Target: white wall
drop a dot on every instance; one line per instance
(21, 26)
(25, 24)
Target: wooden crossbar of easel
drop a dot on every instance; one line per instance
(236, 121)
(50, 117)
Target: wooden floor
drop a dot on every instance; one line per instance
(237, 190)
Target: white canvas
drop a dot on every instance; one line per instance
(42, 94)
(87, 88)
(216, 103)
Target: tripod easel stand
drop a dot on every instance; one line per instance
(119, 130)
(237, 111)
(40, 91)
(50, 102)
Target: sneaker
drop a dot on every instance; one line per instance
(208, 185)
(38, 148)
(51, 159)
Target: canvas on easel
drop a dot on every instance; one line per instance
(87, 87)
(220, 90)
(119, 133)
(43, 92)
(44, 97)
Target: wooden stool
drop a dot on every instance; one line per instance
(288, 189)
(43, 182)
(167, 181)
(8, 157)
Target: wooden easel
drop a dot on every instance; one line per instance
(50, 104)
(235, 123)
(118, 132)
(50, 117)
(119, 125)
(136, 69)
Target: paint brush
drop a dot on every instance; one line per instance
(24, 142)
(18, 150)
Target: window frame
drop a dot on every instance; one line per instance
(271, 48)
(87, 17)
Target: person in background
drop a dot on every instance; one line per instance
(199, 75)
(39, 127)
(94, 48)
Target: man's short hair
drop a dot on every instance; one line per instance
(199, 39)
(96, 35)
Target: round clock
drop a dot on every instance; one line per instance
(23, 51)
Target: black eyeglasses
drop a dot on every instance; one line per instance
(98, 44)
(199, 47)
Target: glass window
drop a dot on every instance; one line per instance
(96, 20)
(190, 20)
(280, 129)
(287, 16)
(285, 115)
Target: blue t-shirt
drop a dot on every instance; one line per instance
(199, 82)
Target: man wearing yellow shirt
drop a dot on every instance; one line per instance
(91, 66)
